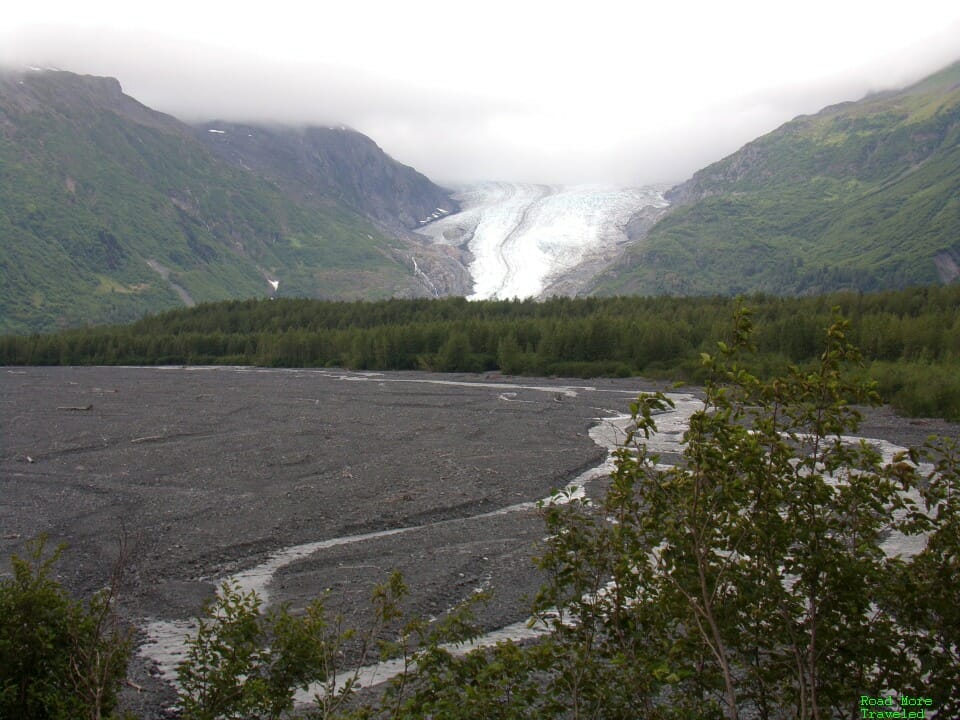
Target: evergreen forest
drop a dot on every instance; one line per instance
(910, 338)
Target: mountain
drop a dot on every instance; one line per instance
(863, 195)
(109, 210)
(331, 163)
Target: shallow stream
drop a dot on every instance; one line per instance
(166, 639)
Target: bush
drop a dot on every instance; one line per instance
(246, 664)
(746, 581)
(749, 580)
(920, 389)
(59, 658)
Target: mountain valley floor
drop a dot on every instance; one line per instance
(205, 472)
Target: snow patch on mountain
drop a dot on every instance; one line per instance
(524, 237)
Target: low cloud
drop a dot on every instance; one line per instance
(635, 127)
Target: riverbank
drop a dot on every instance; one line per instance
(210, 471)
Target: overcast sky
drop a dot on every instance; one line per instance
(628, 92)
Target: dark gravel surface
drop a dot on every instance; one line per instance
(207, 471)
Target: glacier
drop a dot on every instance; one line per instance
(523, 237)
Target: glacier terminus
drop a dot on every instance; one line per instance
(529, 240)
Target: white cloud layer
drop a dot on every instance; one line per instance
(552, 92)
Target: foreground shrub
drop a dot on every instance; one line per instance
(749, 580)
(59, 658)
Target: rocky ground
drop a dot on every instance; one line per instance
(206, 472)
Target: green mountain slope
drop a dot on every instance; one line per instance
(863, 195)
(333, 163)
(109, 209)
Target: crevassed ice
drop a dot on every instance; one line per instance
(524, 236)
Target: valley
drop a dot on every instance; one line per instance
(304, 482)
(100, 191)
(295, 303)
(210, 471)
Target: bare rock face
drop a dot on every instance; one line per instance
(948, 265)
(332, 163)
(750, 161)
(82, 97)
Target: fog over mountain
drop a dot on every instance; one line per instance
(549, 93)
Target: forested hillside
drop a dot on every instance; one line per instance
(109, 209)
(863, 195)
(911, 338)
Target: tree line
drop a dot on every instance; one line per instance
(910, 338)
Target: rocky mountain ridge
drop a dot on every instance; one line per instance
(109, 210)
(331, 163)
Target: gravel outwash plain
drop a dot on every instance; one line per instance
(207, 471)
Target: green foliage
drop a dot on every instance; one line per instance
(919, 389)
(912, 337)
(748, 580)
(226, 670)
(59, 658)
(243, 663)
(500, 683)
(927, 606)
(861, 196)
(455, 354)
(98, 192)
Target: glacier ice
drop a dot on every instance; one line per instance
(523, 236)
